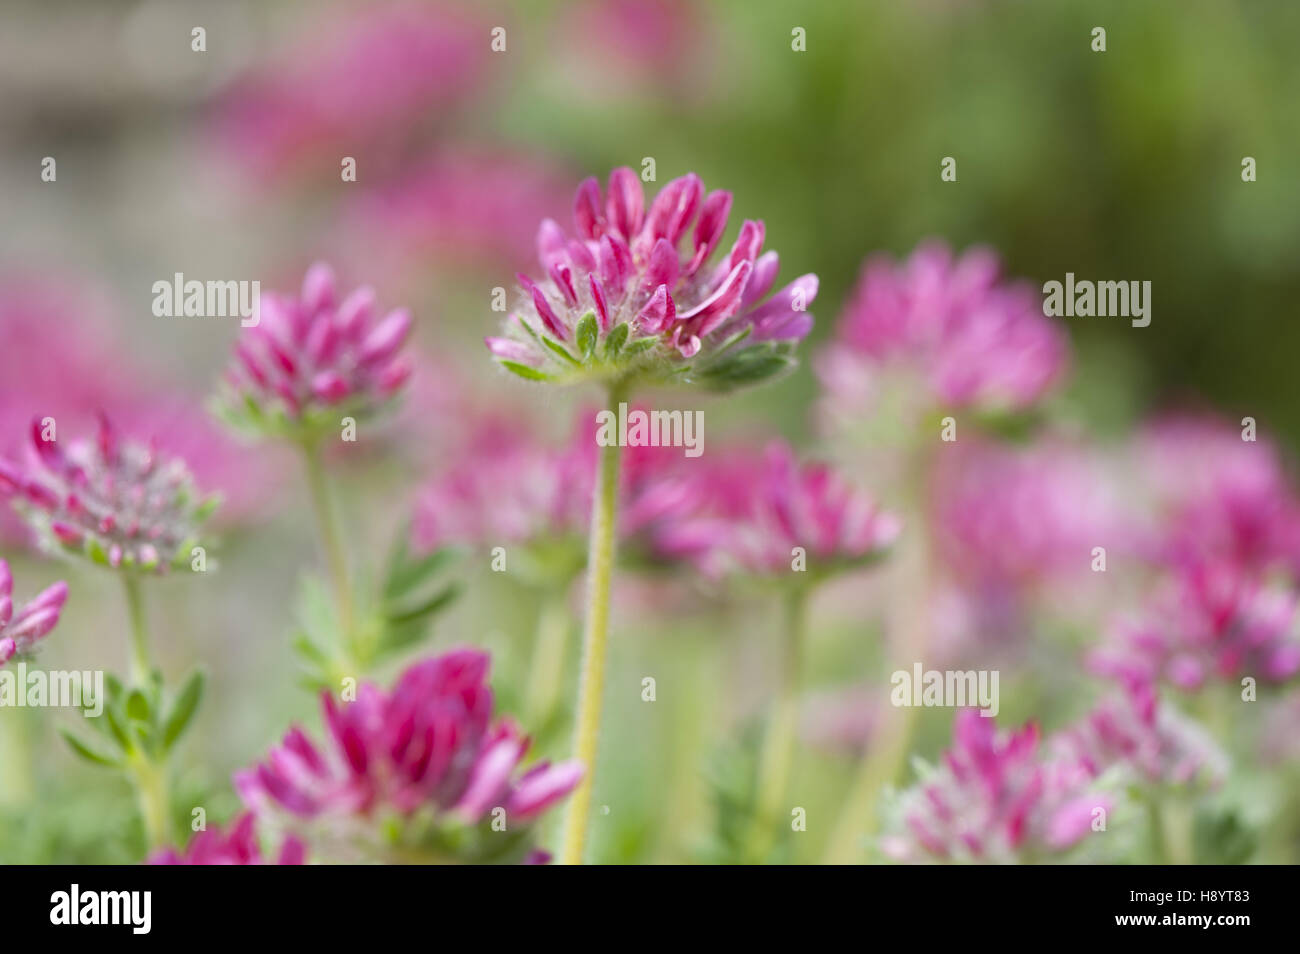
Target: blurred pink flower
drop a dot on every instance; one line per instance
(1209, 621)
(21, 629)
(971, 340)
(1024, 514)
(237, 846)
(623, 48)
(1217, 496)
(378, 76)
(428, 743)
(312, 357)
(996, 798)
(1133, 729)
(117, 502)
(747, 512)
(62, 360)
(457, 207)
(646, 296)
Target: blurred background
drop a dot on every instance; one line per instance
(225, 164)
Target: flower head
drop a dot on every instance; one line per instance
(426, 750)
(997, 799)
(237, 846)
(120, 503)
(633, 293)
(1132, 729)
(748, 513)
(1210, 621)
(20, 630)
(971, 340)
(312, 357)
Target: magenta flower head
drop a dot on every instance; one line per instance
(20, 629)
(633, 294)
(1132, 729)
(949, 325)
(119, 503)
(418, 771)
(1210, 622)
(237, 846)
(314, 357)
(770, 515)
(995, 799)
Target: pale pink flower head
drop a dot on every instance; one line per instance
(120, 503)
(633, 293)
(1209, 621)
(949, 327)
(313, 357)
(1134, 730)
(747, 513)
(995, 799)
(428, 750)
(1218, 496)
(237, 845)
(1024, 514)
(21, 627)
(381, 76)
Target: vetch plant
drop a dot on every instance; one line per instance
(624, 305)
(126, 507)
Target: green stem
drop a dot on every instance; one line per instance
(600, 568)
(548, 659)
(778, 746)
(331, 539)
(141, 663)
(155, 802)
(16, 786)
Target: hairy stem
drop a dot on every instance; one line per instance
(331, 539)
(141, 661)
(155, 802)
(600, 568)
(778, 745)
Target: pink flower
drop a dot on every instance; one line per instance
(428, 744)
(238, 846)
(996, 799)
(747, 513)
(1133, 730)
(19, 631)
(624, 295)
(119, 503)
(377, 76)
(1024, 514)
(1217, 496)
(312, 357)
(973, 341)
(1210, 621)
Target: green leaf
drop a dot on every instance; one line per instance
(430, 606)
(137, 707)
(87, 752)
(531, 374)
(405, 575)
(748, 366)
(641, 345)
(587, 333)
(559, 350)
(183, 709)
(615, 340)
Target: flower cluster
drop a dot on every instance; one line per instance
(120, 503)
(996, 798)
(749, 513)
(428, 744)
(237, 846)
(312, 357)
(1211, 620)
(626, 299)
(20, 630)
(972, 340)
